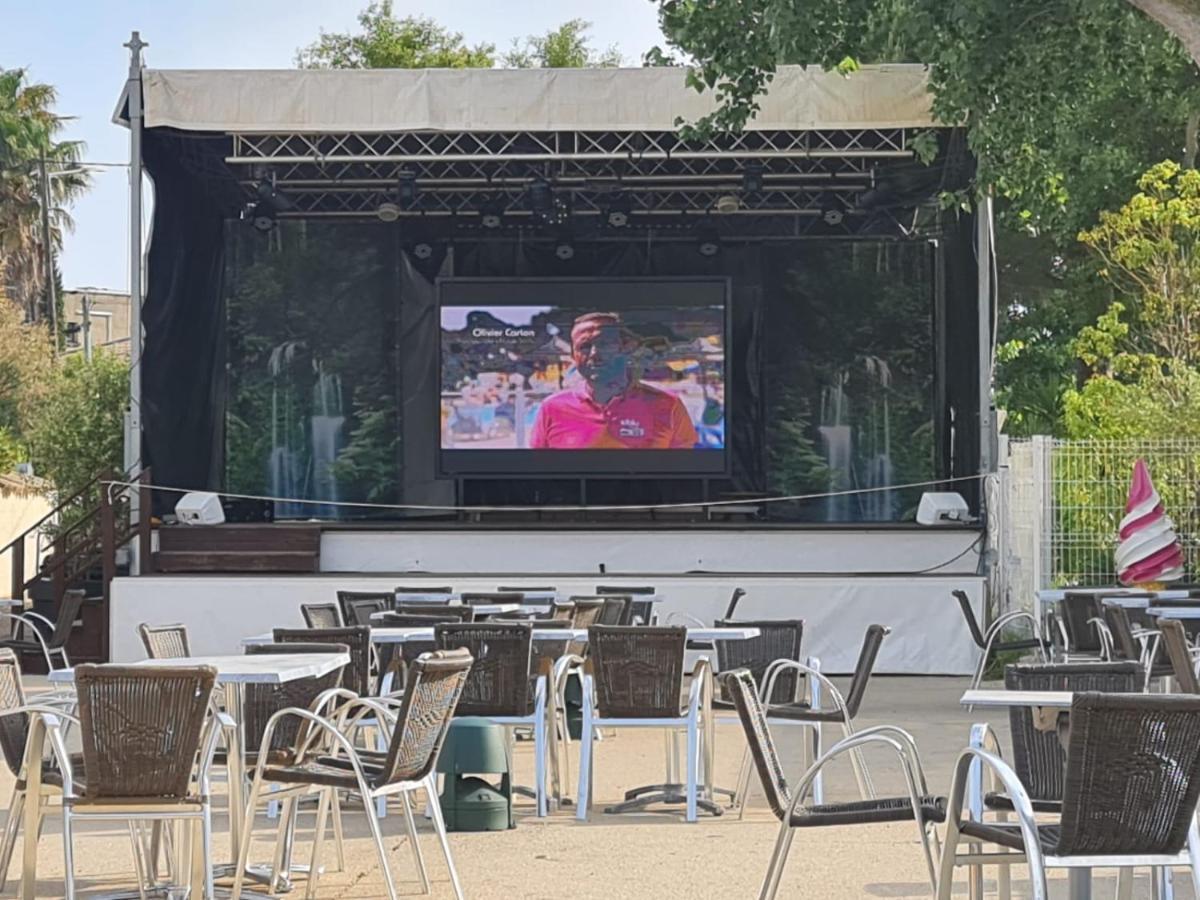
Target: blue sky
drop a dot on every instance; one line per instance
(77, 47)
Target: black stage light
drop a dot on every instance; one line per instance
(387, 211)
(263, 216)
(617, 210)
(752, 178)
(832, 215)
(407, 190)
(423, 250)
(564, 249)
(540, 196)
(708, 242)
(491, 216)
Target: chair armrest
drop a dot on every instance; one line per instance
(1008, 618)
(678, 617)
(700, 691)
(812, 672)
(315, 724)
(30, 614)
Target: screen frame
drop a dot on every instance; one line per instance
(586, 293)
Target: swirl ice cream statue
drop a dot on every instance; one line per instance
(1148, 551)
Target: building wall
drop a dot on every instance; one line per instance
(110, 318)
(19, 510)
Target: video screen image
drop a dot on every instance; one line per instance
(569, 378)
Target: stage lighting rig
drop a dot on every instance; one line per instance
(407, 189)
(540, 197)
(752, 178)
(387, 212)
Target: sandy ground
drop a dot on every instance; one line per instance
(655, 854)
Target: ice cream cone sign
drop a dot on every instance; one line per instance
(1148, 549)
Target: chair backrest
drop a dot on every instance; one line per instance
(617, 610)
(356, 676)
(68, 614)
(636, 590)
(638, 670)
(1038, 756)
(777, 639)
(264, 700)
(964, 603)
(357, 606)
(417, 589)
(435, 685)
(1133, 774)
(1178, 649)
(734, 599)
(742, 691)
(321, 615)
(140, 727)
(14, 730)
(164, 641)
(527, 589)
(865, 665)
(499, 683)
(1077, 610)
(475, 598)
(641, 612)
(1125, 645)
(563, 610)
(449, 612)
(586, 611)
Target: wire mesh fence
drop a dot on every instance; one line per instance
(1064, 501)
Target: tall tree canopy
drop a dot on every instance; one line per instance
(565, 47)
(29, 132)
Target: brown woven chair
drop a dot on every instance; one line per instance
(141, 729)
(164, 641)
(1129, 797)
(617, 610)
(477, 598)
(321, 615)
(357, 606)
(28, 638)
(356, 676)
(502, 687)
(439, 590)
(445, 611)
(788, 804)
(634, 678)
(1179, 653)
(397, 658)
(642, 611)
(407, 766)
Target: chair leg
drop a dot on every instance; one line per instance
(1003, 873)
(440, 827)
(818, 788)
(377, 836)
(1193, 844)
(539, 766)
(68, 849)
(314, 863)
(742, 788)
(243, 853)
(693, 764)
(338, 837)
(783, 843)
(858, 763)
(584, 797)
(139, 857)
(418, 859)
(16, 806)
(1125, 884)
(279, 864)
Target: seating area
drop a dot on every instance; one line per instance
(311, 761)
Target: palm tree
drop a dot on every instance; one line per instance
(28, 128)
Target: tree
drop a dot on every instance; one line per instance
(26, 368)
(565, 47)
(28, 136)
(388, 42)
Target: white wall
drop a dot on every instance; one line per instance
(928, 633)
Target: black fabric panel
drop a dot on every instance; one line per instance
(961, 421)
(183, 362)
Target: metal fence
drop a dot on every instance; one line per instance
(1061, 502)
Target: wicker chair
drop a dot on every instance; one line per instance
(164, 641)
(357, 606)
(634, 678)
(837, 710)
(397, 658)
(642, 611)
(445, 610)
(141, 730)
(27, 636)
(356, 676)
(1129, 797)
(1079, 612)
(617, 610)
(1126, 645)
(502, 687)
(407, 765)
(321, 615)
(989, 642)
(789, 804)
(14, 735)
(1179, 652)
(478, 598)
(436, 591)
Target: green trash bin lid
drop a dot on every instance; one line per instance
(473, 745)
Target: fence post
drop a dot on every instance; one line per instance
(1043, 494)
(145, 560)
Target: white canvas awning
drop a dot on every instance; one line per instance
(510, 100)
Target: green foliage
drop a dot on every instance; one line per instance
(388, 42)
(565, 47)
(26, 367)
(11, 451)
(76, 431)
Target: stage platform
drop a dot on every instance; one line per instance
(838, 581)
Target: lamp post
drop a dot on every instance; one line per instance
(48, 242)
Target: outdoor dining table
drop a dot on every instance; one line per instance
(233, 673)
(481, 609)
(400, 635)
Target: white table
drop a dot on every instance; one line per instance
(233, 673)
(1174, 612)
(481, 609)
(385, 635)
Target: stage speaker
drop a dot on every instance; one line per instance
(240, 509)
(199, 508)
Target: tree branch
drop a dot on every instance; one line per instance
(1180, 17)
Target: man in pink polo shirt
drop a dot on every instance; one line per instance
(609, 410)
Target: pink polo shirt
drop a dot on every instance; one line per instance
(641, 418)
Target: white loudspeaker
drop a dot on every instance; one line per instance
(199, 508)
(939, 509)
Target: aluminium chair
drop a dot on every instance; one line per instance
(502, 686)
(478, 598)
(1130, 789)
(990, 641)
(634, 678)
(29, 639)
(447, 611)
(416, 736)
(435, 591)
(164, 641)
(1179, 653)
(356, 676)
(321, 615)
(142, 731)
(642, 612)
(1127, 642)
(1080, 619)
(789, 804)
(617, 610)
(357, 606)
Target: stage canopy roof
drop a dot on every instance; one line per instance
(508, 100)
